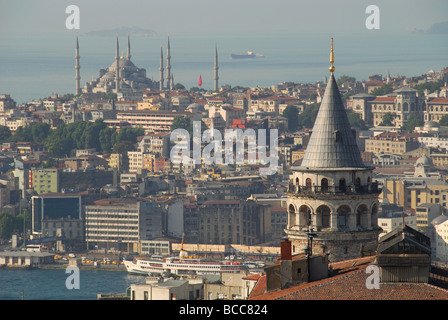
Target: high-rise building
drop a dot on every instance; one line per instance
(332, 200)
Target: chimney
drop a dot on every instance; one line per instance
(285, 250)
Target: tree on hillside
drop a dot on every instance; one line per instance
(444, 121)
(308, 116)
(388, 119)
(345, 78)
(413, 121)
(384, 89)
(181, 122)
(430, 86)
(356, 121)
(5, 133)
(292, 114)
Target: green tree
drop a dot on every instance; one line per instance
(292, 114)
(356, 121)
(388, 119)
(122, 147)
(109, 96)
(430, 86)
(308, 116)
(58, 146)
(384, 89)
(345, 78)
(413, 121)
(180, 122)
(5, 133)
(444, 121)
(8, 225)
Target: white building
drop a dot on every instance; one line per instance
(441, 238)
(394, 221)
(156, 289)
(121, 224)
(25, 258)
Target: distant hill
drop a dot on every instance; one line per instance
(440, 28)
(123, 31)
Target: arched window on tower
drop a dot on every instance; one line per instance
(324, 185)
(308, 183)
(343, 212)
(361, 216)
(292, 215)
(304, 216)
(323, 215)
(405, 106)
(342, 185)
(358, 184)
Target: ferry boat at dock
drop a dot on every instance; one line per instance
(182, 265)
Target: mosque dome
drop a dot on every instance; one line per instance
(122, 63)
(195, 106)
(431, 124)
(424, 161)
(438, 220)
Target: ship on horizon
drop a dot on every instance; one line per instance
(249, 55)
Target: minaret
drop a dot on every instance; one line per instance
(117, 71)
(168, 65)
(331, 195)
(128, 56)
(161, 70)
(77, 67)
(216, 68)
(172, 82)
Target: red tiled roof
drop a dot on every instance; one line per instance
(438, 100)
(222, 202)
(254, 277)
(349, 283)
(384, 99)
(259, 288)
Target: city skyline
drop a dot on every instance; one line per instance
(292, 35)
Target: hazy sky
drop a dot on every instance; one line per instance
(224, 17)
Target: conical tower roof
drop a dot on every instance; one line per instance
(332, 143)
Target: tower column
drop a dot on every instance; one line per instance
(168, 66)
(117, 71)
(216, 69)
(161, 70)
(128, 56)
(334, 221)
(77, 67)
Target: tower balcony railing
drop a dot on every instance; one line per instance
(352, 189)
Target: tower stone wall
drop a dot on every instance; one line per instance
(332, 198)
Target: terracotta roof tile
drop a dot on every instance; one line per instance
(347, 281)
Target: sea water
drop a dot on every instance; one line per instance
(33, 67)
(44, 284)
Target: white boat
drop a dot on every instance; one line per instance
(182, 265)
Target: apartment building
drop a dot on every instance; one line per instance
(156, 143)
(44, 180)
(151, 121)
(234, 222)
(402, 103)
(392, 143)
(58, 215)
(436, 109)
(121, 223)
